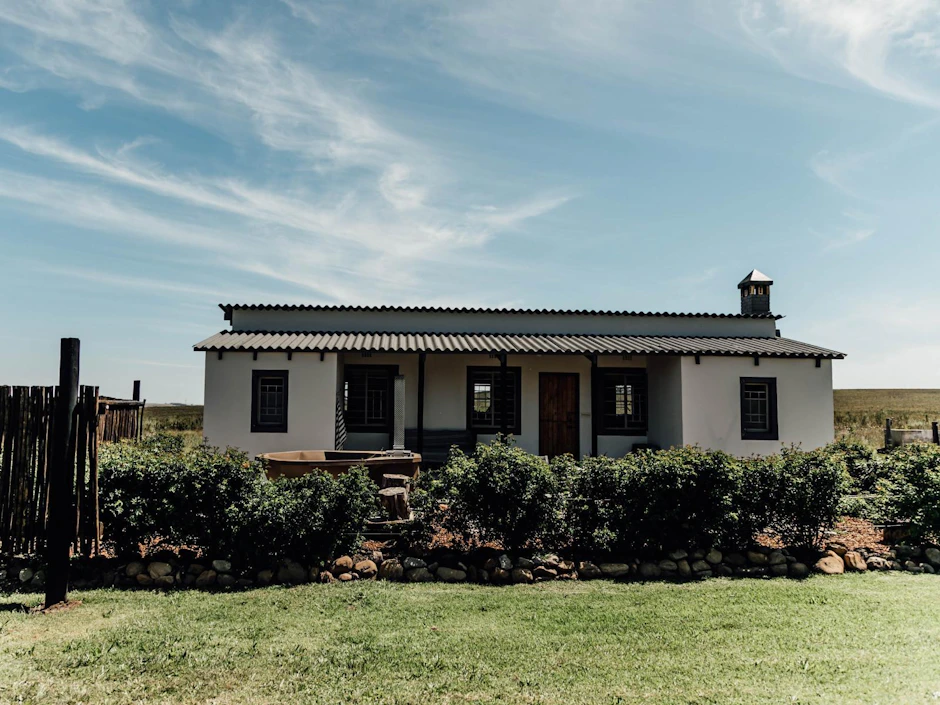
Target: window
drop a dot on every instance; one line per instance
(269, 401)
(485, 399)
(759, 408)
(368, 397)
(620, 398)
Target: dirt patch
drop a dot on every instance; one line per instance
(57, 607)
(858, 533)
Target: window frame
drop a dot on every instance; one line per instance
(772, 432)
(256, 377)
(387, 427)
(516, 428)
(597, 388)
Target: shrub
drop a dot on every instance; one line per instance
(650, 501)
(221, 503)
(910, 489)
(308, 519)
(499, 494)
(861, 462)
(154, 490)
(798, 495)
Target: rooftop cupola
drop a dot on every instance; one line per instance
(755, 293)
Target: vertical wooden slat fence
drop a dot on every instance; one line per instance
(27, 416)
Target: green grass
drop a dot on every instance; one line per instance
(851, 639)
(860, 413)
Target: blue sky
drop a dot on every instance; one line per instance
(159, 158)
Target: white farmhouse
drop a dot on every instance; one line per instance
(305, 377)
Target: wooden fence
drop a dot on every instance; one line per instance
(27, 417)
(119, 419)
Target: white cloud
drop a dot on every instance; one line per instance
(881, 44)
(362, 199)
(847, 239)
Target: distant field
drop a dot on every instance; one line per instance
(860, 413)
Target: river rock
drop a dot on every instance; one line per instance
(327, 577)
(701, 566)
(451, 575)
(498, 576)
(525, 563)
(830, 564)
(344, 564)
(912, 567)
(26, 574)
(195, 568)
(854, 561)
(776, 558)
(566, 566)
(366, 569)
(735, 560)
(757, 558)
(684, 569)
(668, 566)
(649, 571)
(778, 570)
(291, 573)
(615, 570)
(144, 580)
(134, 568)
(419, 575)
(391, 570)
(926, 566)
(714, 556)
(225, 580)
(543, 572)
(408, 563)
(723, 570)
(163, 581)
(932, 554)
(522, 575)
(221, 566)
(877, 563)
(798, 570)
(206, 578)
(588, 571)
(678, 554)
(158, 569)
(265, 577)
(505, 562)
(346, 577)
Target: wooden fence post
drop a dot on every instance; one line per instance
(887, 433)
(936, 432)
(61, 527)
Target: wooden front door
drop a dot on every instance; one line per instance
(559, 414)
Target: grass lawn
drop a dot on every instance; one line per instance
(848, 639)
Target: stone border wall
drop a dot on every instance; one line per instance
(183, 569)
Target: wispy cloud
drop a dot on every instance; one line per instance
(890, 46)
(363, 197)
(845, 239)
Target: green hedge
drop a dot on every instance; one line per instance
(500, 494)
(220, 503)
(909, 488)
(645, 502)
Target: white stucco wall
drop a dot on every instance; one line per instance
(711, 403)
(430, 322)
(311, 414)
(665, 410)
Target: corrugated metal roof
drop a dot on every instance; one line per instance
(228, 308)
(262, 341)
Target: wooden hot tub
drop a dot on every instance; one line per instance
(295, 463)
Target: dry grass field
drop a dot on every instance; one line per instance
(860, 413)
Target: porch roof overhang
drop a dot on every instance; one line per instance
(523, 343)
